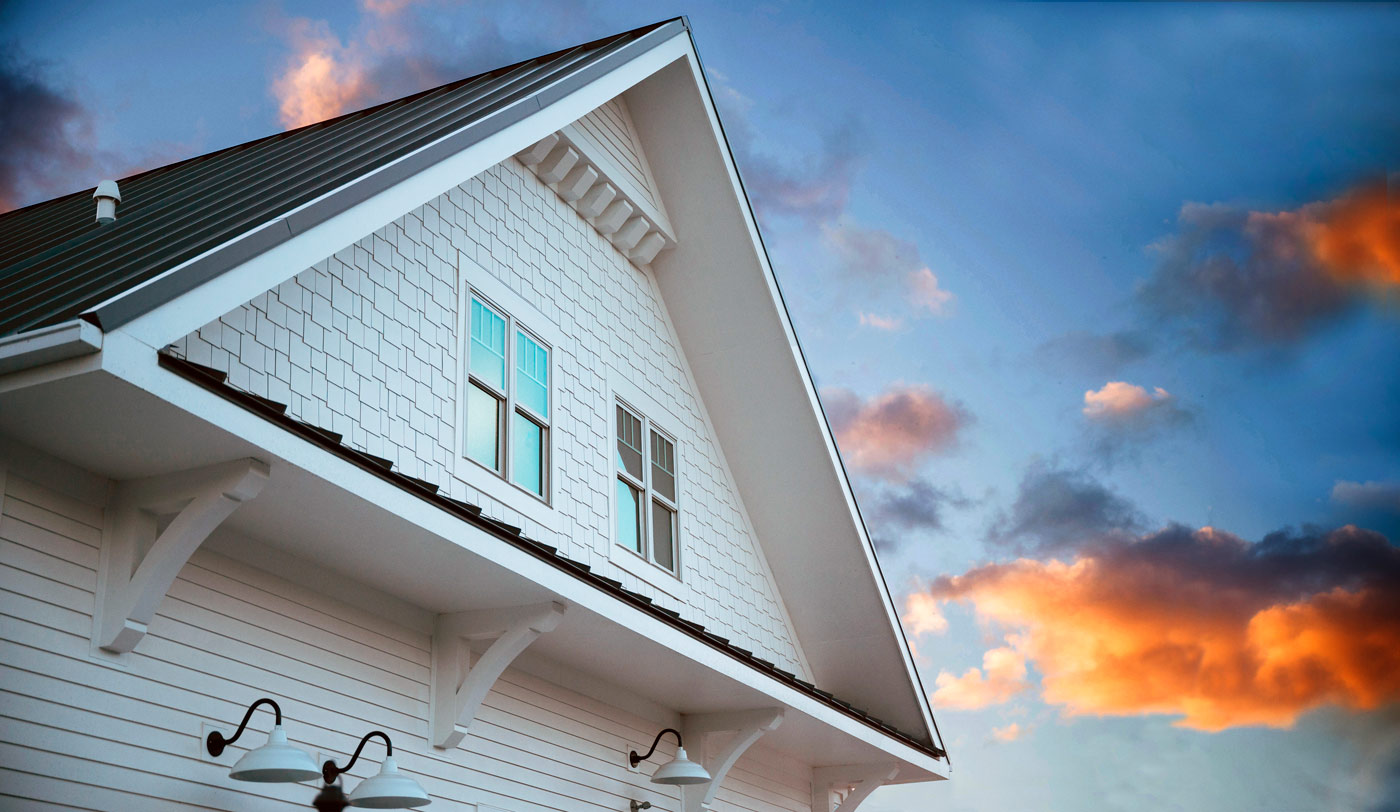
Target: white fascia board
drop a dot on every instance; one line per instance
(47, 345)
(692, 60)
(137, 363)
(188, 312)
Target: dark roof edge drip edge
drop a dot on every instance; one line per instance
(213, 381)
(162, 289)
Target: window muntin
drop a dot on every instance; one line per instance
(507, 416)
(646, 489)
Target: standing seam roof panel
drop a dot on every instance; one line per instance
(56, 262)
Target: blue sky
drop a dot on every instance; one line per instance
(1027, 203)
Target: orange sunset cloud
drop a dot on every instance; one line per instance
(1355, 238)
(1198, 624)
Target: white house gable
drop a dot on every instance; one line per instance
(371, 343)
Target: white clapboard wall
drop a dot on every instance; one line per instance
(79, 731)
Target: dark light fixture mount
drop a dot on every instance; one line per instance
(274, 762)
(680, 770)
(390, 789)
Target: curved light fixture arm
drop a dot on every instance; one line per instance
(216, 741)
(330, 772)
(636, 759)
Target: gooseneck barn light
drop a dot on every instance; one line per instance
(274, 762)
(390, 789)
(680, 770)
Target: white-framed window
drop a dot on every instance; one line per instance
(647, 520)
(507, 397)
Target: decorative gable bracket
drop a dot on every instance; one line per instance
(579, 175)
(748, 726)
(458, 685)
(861, 779)
(139, 561)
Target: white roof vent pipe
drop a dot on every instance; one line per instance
(107, 197)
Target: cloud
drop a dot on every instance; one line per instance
(1378, 496)
(1002, 676)
(404, 46)
(814, 189)
(1058, 509)
(1118, 400)
(1232, 278)
(878, 322)
(924, 615)
(1095, 354)
(869, 251)
(893, 510)
(1010, 733)
(54, 148)
(1123, 416)
(323, 78)
(889, 435)
(874, 255)
(925, 294)
(1202, 625)
(51, 140)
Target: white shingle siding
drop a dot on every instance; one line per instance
(82, 731)
(365, 343)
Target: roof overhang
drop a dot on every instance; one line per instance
(120, 415)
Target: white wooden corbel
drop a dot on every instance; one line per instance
(861, 779)
(459, 685)
(748, 726)
(137, 564)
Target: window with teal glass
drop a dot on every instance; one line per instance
(531, 374)
(507, 416)
(488, 345)
(646, 489)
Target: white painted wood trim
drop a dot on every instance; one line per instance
(692, 61)
(863, 779)
(46, 345)
(748, 727)
(132, 583)
(459, 686)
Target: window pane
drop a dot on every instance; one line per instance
(663, 536)
(488, 348)
(483, 426)
(663, 466)
(629, 517)
(629, 443)
(531, 375)
(527, 464)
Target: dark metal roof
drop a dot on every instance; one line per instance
(217, 382)
(57, 263)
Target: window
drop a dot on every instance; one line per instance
(646, 489)
(507, 398)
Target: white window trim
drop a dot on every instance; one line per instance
(471, 276)
(622, 390)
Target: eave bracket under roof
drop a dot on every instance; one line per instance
(138, 564)
(459, 685)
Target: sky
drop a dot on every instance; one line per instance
(1101, 300)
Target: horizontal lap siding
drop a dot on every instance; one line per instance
(78, 731)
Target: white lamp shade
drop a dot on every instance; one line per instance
(681, 770)
(390, 789)
(275, 762)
